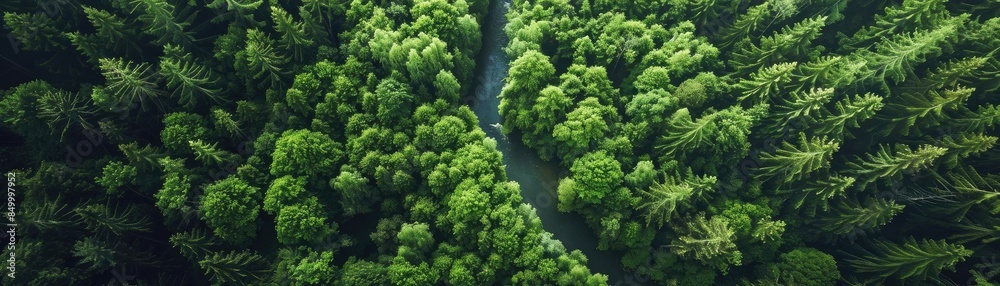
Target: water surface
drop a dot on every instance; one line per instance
(538, 179)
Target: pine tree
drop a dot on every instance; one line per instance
(977, 121)
(948, 75)
(963, 146)
(983, 231)
(902, 113)
(766, 83)
(802, 107)
(684, 134)
(849, 113)
(208, 154)
(239, 11)
(791, 163)
(34, 31)
(233, 267)
(127, 84)
(162, 20)
(49, 216)
(912, 259)
(99, 256)
(104, 220)
(188, 79)
(114, 33)
(261, 60)
(294, 39)
(965, 188)
(664, 200)
(746, 25)
(146, 158)
(898, 57)
(849, 218)
(788, 45)
(828, 71)
(912, 15)
(224, 122)
(709, 241)
(194, 244)
(817, 193)
(64, 110)
(885, 164)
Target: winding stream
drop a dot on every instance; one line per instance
(538, 179)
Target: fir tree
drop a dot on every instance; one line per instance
(912, 259)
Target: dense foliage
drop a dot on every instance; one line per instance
(769, 142)
(307, 142)
(323, 142)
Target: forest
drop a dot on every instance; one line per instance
(331, 142)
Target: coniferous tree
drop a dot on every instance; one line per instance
(128, 84)
(791, 163)
(902, 114)
(789, 45)
(188, 79)
(710, 241)
(261, 60)
(293, 36)
(887, 164)
(194, 244)
(912, 259)
(767, 83)
(801, 107)
(105, 220)
(912, 15)
(849, 113)
(233, 267)
(897, 57)
(664, 200)
(162, 20)
(850, 218)
(817, 193)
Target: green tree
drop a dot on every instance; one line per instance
(305, 153)
(262, 62)
(886, 164)
(188, 79)
(356, 197)
(529, 74)
(850, 112)
(284, 191)
(116, 175)
(233, 267)
(230, 207)
(791, 163)
(363, 273)
(302, 222)
(912, 259)
(766, 83)
(595, 174)
(583, 127)
(817, 193)
(158, 20)
(710, 241)
(194, 244)
(294, 38)
(851, 218)
(664, 200)
(802, 266)
(801, 107)
(790, 44)
(898, 57)
(128, 84)
(314, 269)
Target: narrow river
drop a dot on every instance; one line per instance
(538, 179)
